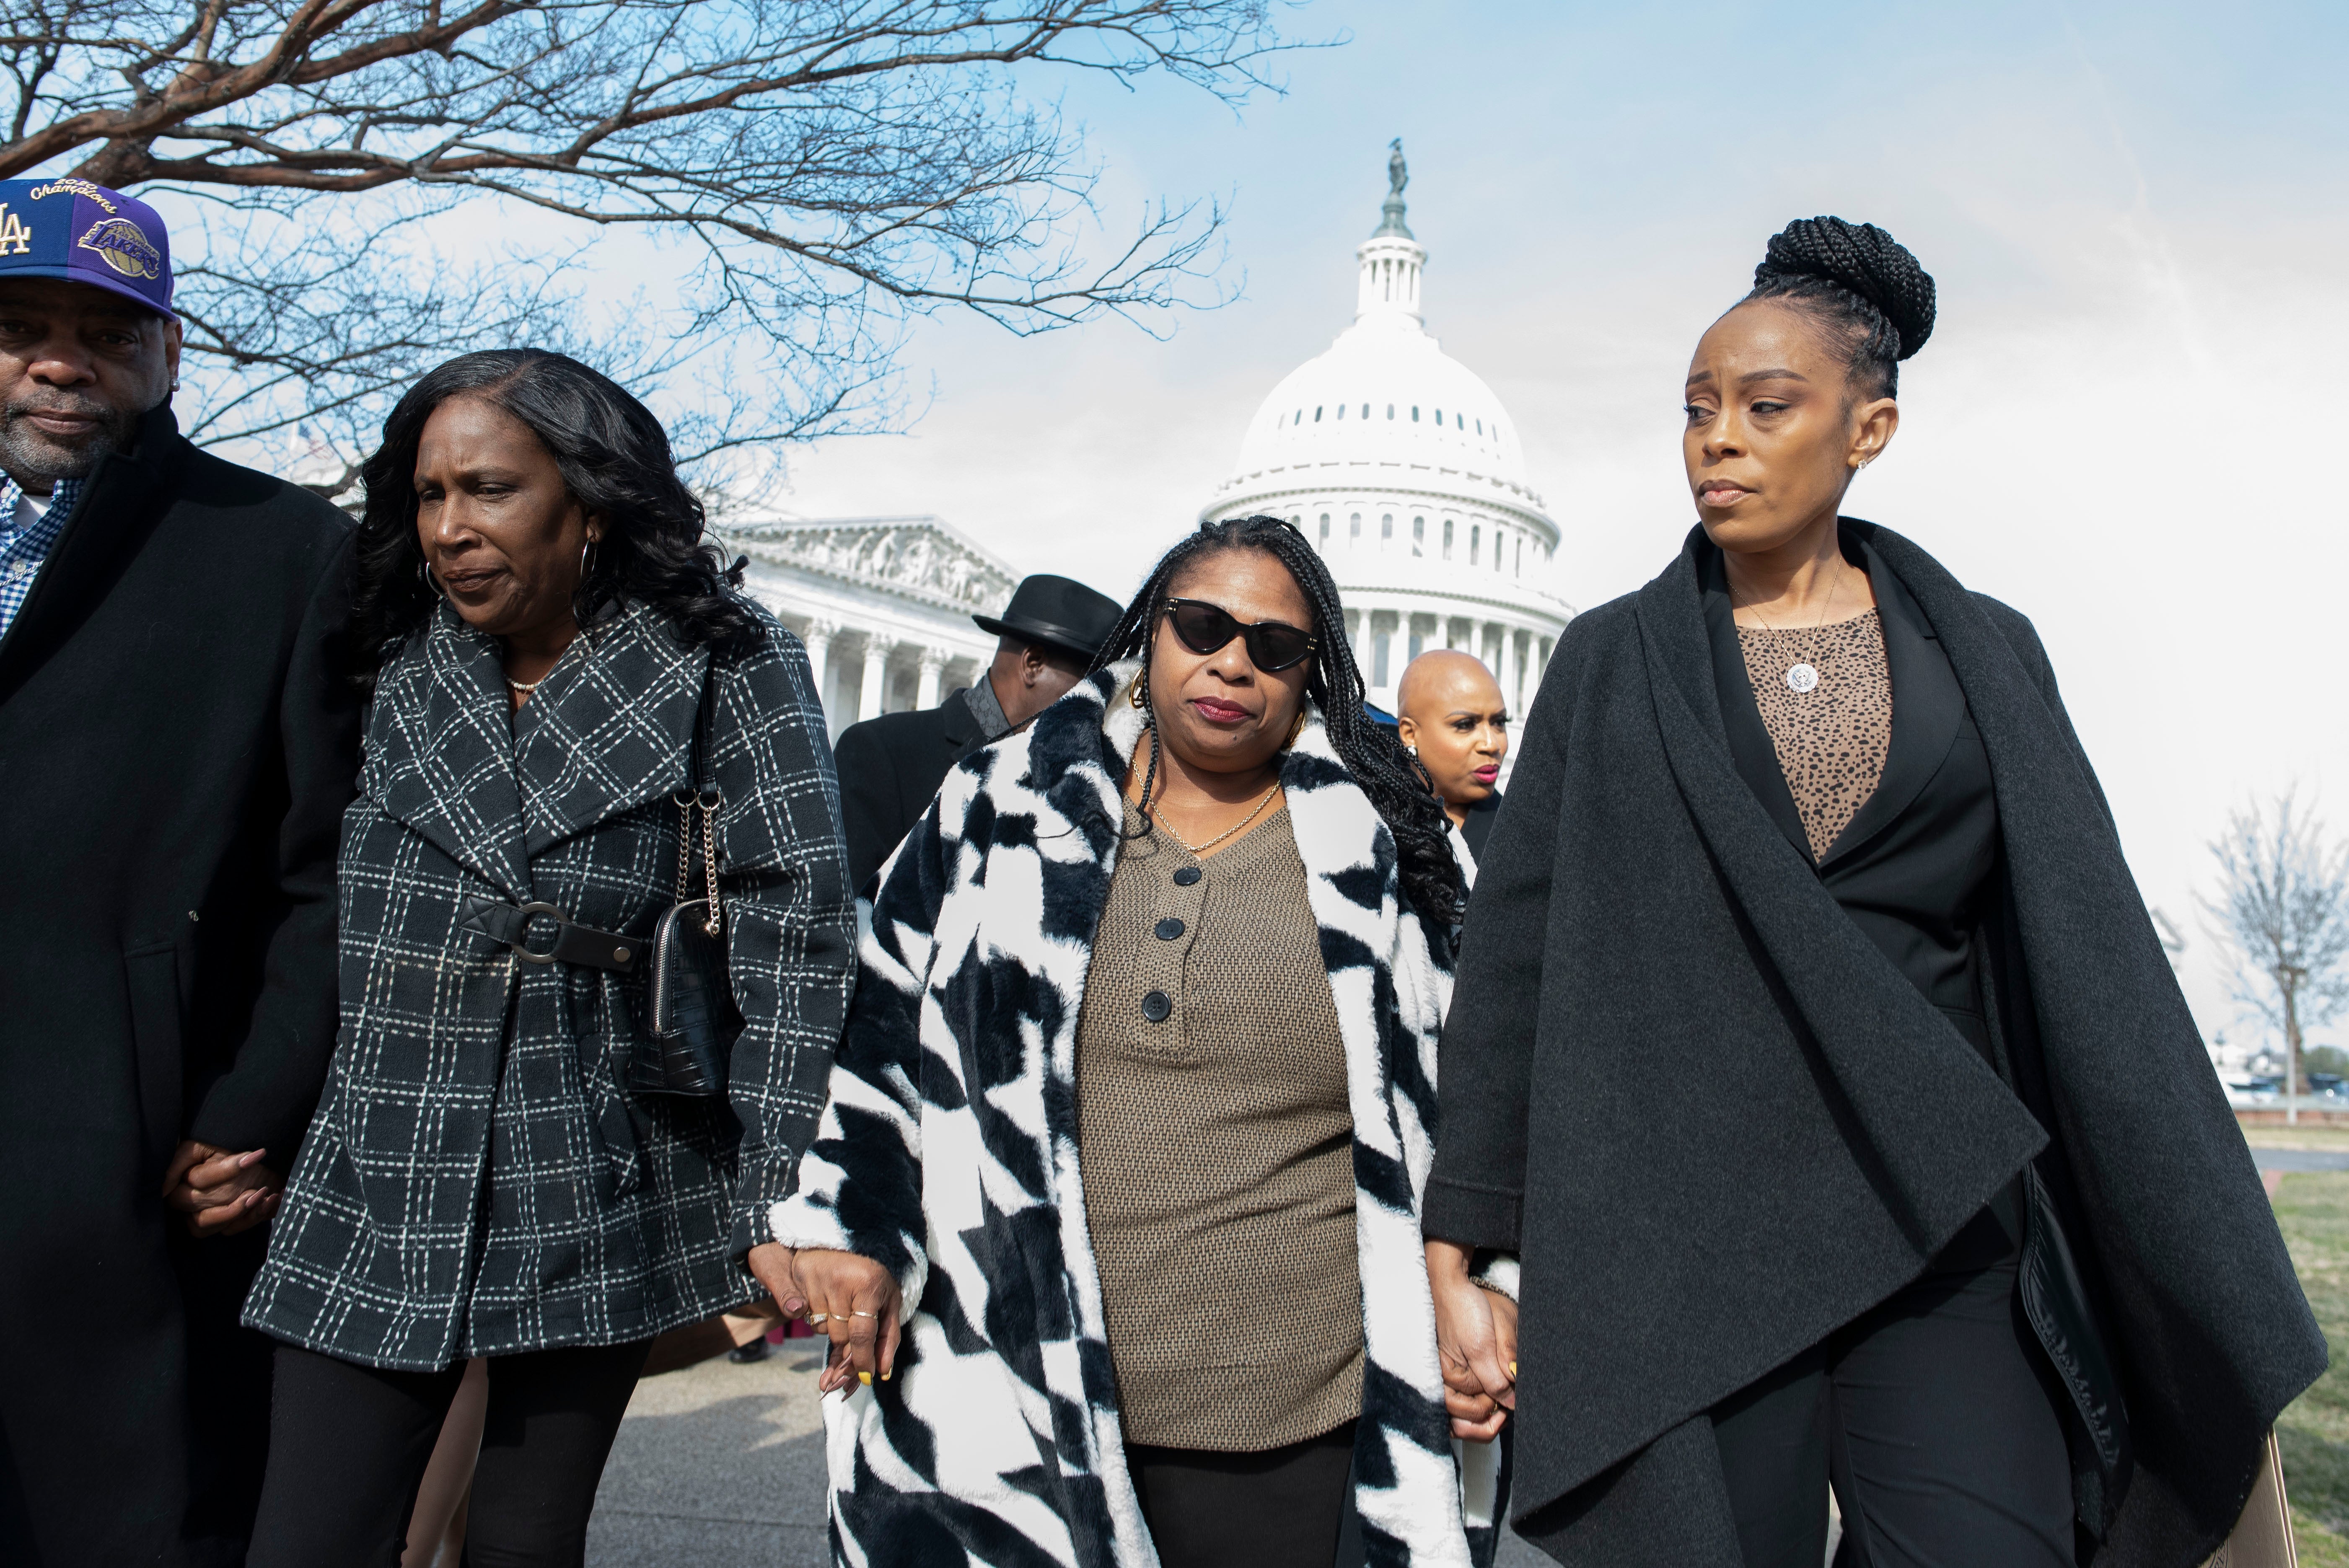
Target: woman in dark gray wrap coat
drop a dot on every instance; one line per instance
(481, 1179)
(1952, 1213)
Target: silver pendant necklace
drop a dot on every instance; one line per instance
(1802, 679)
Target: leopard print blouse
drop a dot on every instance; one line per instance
(1833, 739)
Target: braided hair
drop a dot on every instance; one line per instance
(1860, 282)
(1373, 757)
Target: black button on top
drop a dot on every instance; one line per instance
(1156, 1005)
(1169, 929)
(1185, 876)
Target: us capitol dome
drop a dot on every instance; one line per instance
(1405, 471)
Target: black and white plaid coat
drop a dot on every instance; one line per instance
(476, 1181)
(948, 1153)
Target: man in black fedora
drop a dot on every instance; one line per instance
(890, 766)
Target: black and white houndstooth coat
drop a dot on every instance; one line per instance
(948, 1153)
(477, 1182)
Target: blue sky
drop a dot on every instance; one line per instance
(2130, 423)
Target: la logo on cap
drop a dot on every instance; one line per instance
(16, 240)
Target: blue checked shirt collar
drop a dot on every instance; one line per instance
(23, 548)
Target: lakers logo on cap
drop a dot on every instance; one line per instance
(123, 247)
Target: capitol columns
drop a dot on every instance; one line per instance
(818, 642)
(874, 691)
(926, 694)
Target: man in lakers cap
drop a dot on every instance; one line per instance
(177, 739)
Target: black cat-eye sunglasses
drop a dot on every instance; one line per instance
(1272, 646)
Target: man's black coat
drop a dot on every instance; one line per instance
(1640, 922)
(890, 771)
(177, 739)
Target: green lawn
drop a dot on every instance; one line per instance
(2313, 1209)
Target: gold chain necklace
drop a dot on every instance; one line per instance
(1197, 850)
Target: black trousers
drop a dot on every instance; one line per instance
(1282, 1508)
(349, 1444)
(1934, 1416)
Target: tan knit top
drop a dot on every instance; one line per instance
(1832, 725)
(1215, 1142)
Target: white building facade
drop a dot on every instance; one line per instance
(884, 604)
(1404, 470)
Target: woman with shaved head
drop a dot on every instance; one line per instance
(1456, 727)
(1813, 1052)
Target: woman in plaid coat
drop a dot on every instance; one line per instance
(480, 1180)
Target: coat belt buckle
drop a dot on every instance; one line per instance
(519, 945)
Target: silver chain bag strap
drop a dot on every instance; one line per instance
(691, 1019)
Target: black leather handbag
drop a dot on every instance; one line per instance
(691, 1020)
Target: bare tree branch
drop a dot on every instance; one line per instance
(817, 172)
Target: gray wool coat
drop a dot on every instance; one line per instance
(477, 1180)
(1641, 920)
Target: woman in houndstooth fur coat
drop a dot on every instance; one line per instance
(951, 1194)
(480, 1179)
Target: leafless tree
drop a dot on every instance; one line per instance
(2283, 904)
(791, 181)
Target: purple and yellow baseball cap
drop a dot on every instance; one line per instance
(85, 233)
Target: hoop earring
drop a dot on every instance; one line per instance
(432, 583)
(1295, 729)
(586, 556)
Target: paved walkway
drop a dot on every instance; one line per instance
(718, 1466)
(2300, 1159)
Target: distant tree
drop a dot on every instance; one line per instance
(2173, 941)
(813, 172)
(2283, 905)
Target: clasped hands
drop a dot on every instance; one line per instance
(220, 1190)
(1475, 1344)
(853, 1299)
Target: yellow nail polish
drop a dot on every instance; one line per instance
(1513, 1368)
(865, 1378)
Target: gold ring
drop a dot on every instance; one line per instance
(860, 1315)
(814, 1317)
